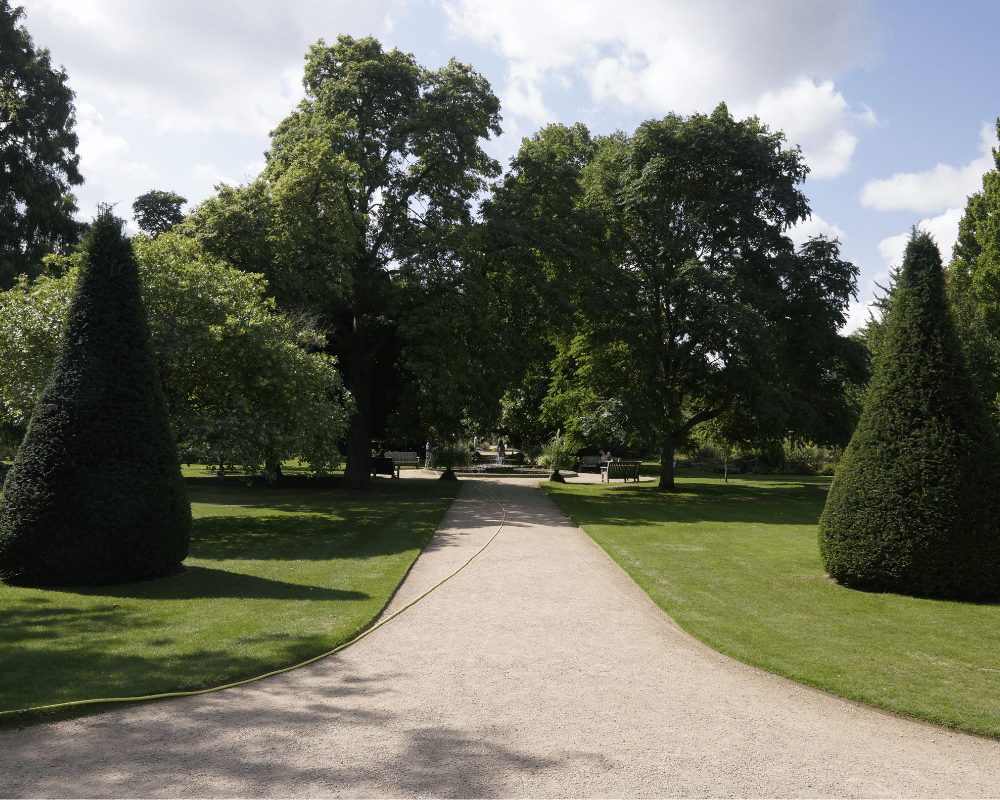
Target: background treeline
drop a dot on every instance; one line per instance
(383, 281)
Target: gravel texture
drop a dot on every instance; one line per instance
(540, 670)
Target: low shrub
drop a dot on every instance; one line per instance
(450, 456)
(557, 455)
(810, 460)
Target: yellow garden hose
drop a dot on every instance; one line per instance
(358, 638)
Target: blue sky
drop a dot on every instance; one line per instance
(894, 103)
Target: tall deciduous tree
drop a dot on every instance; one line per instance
(38, 161)
(915, 505)
(545, 246)
(157, 211)
(368, 186)
(546, 251)
(711, 310)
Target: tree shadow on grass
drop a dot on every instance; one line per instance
(777, 502)
(307, 497)
(306, 536)
(205, 583)
(41, 668)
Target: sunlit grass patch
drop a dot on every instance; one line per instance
(274, 576)
(737, 565)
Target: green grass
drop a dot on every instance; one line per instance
(274, 577)
(737, 565)
(290, 468)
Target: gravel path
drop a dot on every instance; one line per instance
(540, 670)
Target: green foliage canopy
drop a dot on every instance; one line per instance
(38, 161)
(974, 286)
(710, 310)
(244, 384)
(368, 187)
(157, 211)
(547, 258)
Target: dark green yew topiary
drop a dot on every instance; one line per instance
(96, 494)
(915, 505)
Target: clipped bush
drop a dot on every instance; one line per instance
(915, 505)
(451, 455)
(96, 494)
(557, 455)
(806, 459)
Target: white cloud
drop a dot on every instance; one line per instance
(209, 173)
(857, 316)
(891, 249)
(96, 147)
(195, 65)
(85, 12)
(819, 119)
(101, 152)
(815, 226)
(944, 229)
(106, 166)
(943, 187)
(659, 56)
(253, 169)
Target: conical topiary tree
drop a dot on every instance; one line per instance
(96, 494)
(915, 505)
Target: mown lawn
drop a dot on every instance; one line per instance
(275, 576)
(737, 565)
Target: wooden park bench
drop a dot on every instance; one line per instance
(384, 466)
(620, 469)
(401, 459)
(590, 463)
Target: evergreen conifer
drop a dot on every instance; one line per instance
(915, 505)
(96, 494)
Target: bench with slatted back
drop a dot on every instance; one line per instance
(620, 469)
(401, 459)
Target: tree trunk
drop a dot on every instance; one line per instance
(666, 469)
(358, 471)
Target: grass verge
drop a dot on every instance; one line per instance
(275, 576)
(737, 565)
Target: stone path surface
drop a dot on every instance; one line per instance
(540, 670)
